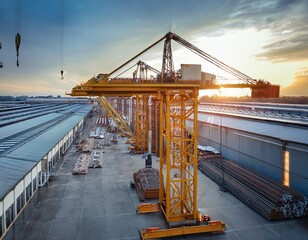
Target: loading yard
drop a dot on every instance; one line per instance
(102, 205)
(82, 203)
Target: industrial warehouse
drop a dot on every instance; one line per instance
(149, 161)
(43, 198)
(33, 139)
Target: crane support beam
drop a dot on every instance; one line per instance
(113, 113)
(147, 208)
(179, 157)
(125, 87)
(155, 232)
(142, 123)
(144, 67)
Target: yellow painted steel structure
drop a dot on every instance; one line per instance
(155, 125)
(177, 148)
(148, 208)
(142, 123)
(178, 156)
(155, 232)
(178, 101)
(115, 116)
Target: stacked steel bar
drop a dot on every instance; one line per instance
(270, 199)
(81, 165)
(95, 160)
(147, 183)
(88, 145)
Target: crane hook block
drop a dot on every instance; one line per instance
(17, 44)
(62, 74)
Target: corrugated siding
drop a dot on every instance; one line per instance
(283, 132)
(260, 150)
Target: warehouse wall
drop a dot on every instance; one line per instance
(298, 167)
(259, 153)
(14, 202)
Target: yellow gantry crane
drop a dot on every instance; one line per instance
(177, 101)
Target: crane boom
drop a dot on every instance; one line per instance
(167, 72)
(152, 45)
(148, 67)
(212, 59)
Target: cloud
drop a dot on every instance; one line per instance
(289, 27)
(298, 87)
(287, 21)
(292, 49)
(100, 36)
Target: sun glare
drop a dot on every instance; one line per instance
(226, 92)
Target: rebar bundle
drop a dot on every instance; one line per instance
(147, 183)
(272, 200)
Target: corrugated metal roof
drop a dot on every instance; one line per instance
(12, 117)
(274, 130)
(11, 173)
(16, 164)
(13, 129)
(37, 148)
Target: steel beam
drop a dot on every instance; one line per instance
(155, 232)
(113, 113)
(148, 208)
(178, 170)
(142, 123)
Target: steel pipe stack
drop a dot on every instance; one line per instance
(270, 199)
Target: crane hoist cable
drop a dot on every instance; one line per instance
(1, 64)
(18, 36)
(171, 36)
(17, 44)
(115, 70)
(61, 39)
(213, 60)
(125, 71)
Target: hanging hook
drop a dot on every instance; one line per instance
(61, 39)
(1, 64)
(17, 44)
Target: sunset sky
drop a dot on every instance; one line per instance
(264, 39)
